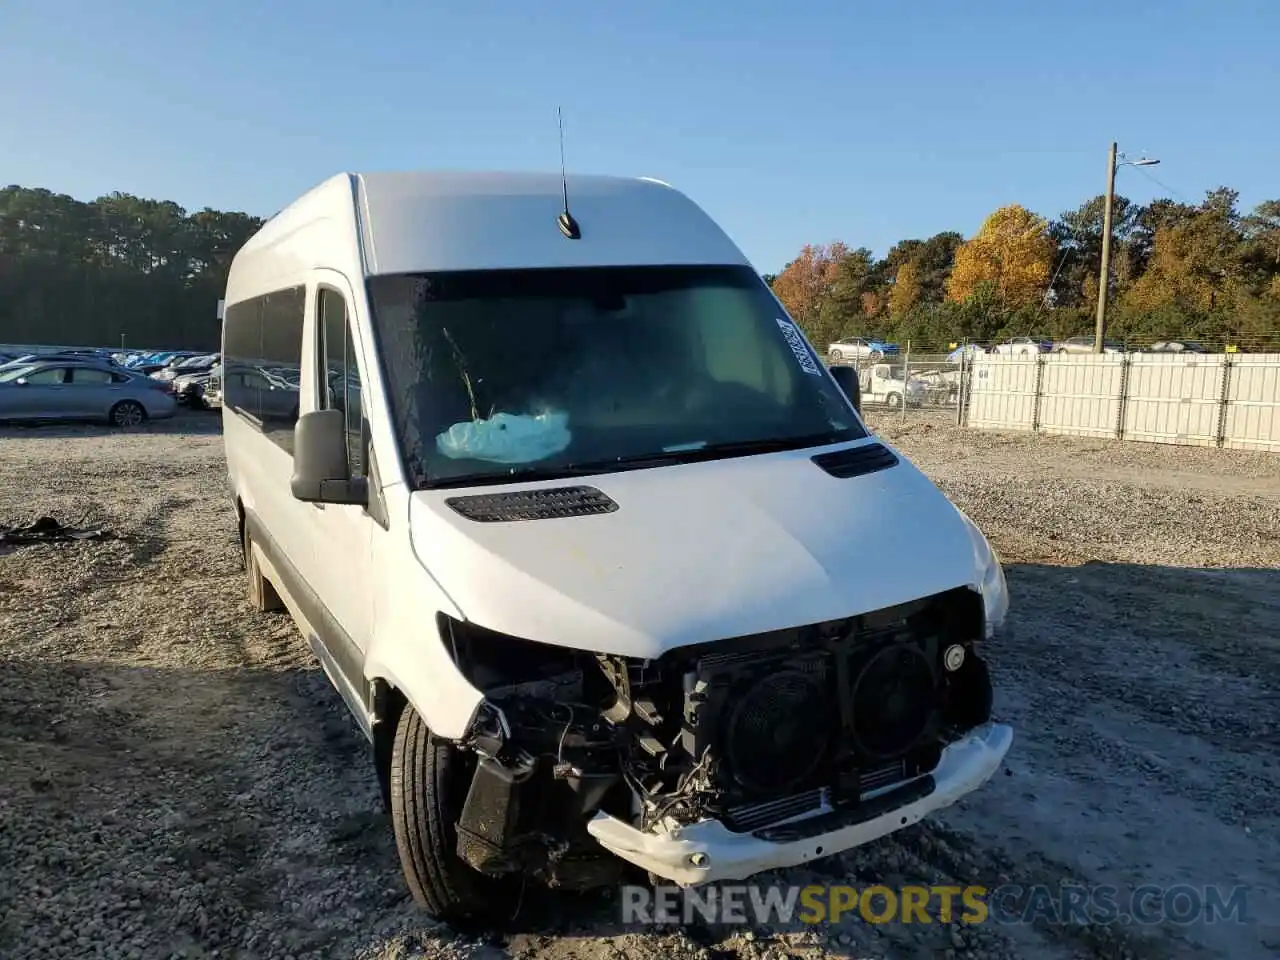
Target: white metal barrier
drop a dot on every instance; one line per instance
(1251, 414)
(1175, 399)
(1215, 400)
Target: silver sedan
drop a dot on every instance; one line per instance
(56, 390)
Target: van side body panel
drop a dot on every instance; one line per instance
(363, 614)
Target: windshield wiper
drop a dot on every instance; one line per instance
(682, 454)
(521, 475)
(710, 451)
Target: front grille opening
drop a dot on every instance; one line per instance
(831, 714)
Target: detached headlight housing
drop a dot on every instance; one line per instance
(990, 581)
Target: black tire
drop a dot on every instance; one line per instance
(127, 413)
(835, 356)
(894, 401)
(261, 594)
(428, 783)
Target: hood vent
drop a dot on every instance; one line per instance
(857, 461)
(553, 504)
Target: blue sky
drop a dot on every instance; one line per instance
(788, 122)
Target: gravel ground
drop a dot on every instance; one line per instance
(178, 779)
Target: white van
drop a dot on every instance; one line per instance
(589, 539)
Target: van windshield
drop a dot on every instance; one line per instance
(498, 376)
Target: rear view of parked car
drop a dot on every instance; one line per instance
(61, 390)
(1177, 346)
(1085, 345)
(1022, 347)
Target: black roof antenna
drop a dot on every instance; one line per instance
(568, 226)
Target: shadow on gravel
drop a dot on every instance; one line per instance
(168, 809)
(198, 422)
(1143, 699)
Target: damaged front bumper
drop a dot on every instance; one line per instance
(707, 851)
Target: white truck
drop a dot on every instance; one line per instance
(887, 384)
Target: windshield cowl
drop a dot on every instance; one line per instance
(665, 458)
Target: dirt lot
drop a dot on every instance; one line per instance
(177, 779)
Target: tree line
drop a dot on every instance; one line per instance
(1203, 271)
(76, 272)
(90, 273)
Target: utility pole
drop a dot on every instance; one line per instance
(1104, 279)
(1114, 160)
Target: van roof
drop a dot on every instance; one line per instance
(407, 222)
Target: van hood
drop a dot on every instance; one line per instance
(699, 552)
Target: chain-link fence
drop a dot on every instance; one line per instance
(910, 385)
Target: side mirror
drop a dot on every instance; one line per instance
(320, 473)
(847, 379)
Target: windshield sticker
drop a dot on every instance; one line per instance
(796, 342)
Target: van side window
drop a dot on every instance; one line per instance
(340, 385)
(241, 344)
(262, 360)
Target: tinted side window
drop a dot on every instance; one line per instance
(242, 345)
(262, 360)
(49, 376)
(83, 375)
(282, 317)
(340, 387)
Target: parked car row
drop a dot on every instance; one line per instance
(1031, 346)
(81, 388)
(864, 349)
(102, 384)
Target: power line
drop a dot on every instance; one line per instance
(1163, 186)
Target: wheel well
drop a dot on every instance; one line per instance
(240, 531)
(388, 704)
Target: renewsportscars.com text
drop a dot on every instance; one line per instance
(878, 903)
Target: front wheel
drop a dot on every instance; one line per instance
(127, 413)
(894, 400)
(835, 356)
(428, 783)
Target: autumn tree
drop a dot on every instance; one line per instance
(1201, 271)
(905, 294)
(823, 289)
(1013, 251)
(806, 281)
(1197, 263)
